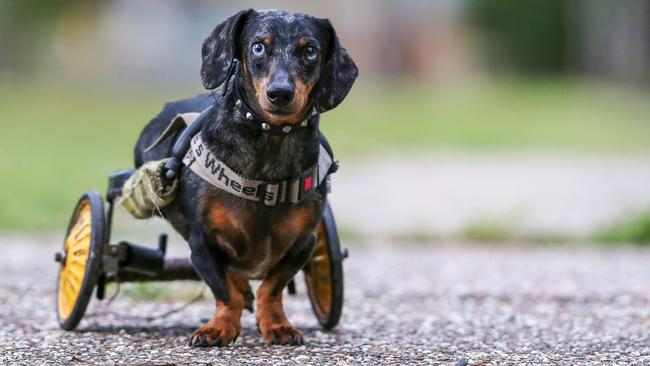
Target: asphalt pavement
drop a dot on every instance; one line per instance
(452, 304)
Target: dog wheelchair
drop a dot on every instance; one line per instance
(89, 261)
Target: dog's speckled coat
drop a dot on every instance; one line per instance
(232, 239)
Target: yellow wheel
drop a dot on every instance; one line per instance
(80, 260)
(324, 273)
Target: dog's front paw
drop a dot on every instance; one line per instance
(283, 333)
(218, 334)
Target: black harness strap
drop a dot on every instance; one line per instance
(182, 144)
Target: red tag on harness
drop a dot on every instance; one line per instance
(308, 184)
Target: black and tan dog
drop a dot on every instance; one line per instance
(290, 66)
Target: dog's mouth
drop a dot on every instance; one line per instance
(281, 112)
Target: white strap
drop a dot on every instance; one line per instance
(202, 162)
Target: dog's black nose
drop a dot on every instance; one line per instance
(280, 94)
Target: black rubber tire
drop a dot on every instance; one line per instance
(331, 318)
(93, 261)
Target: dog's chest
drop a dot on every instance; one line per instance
(256, 240)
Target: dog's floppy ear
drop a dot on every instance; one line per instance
(220, 48)
(338, 75)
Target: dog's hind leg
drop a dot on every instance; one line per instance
(224, 326)
(271, 319)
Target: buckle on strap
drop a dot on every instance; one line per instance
(269, 193)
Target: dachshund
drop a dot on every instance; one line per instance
(289, 68)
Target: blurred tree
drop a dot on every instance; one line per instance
(25, 26)
(525, 35)
(612, 39)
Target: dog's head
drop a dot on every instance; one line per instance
(290, 62)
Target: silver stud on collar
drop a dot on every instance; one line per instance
(314, 112)
(249, 116)
(286, 129)
(238, 102)
(266, 127)
(303, 123)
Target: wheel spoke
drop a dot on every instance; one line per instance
(69, 291)
(73, 286)
(78, 270)
(80, 236)
(77, 261)
(77, 277)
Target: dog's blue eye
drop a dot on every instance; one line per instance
(311, 53)
(258, 49)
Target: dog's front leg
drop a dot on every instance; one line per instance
(223, 328)
(271, 319)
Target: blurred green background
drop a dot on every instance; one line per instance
(79, 79)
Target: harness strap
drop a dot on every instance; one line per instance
(199, 159)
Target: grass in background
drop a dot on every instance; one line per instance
(634, 229)
(160, 291)
(56, 141)
(55, 144)
(489, 230)
(502, 114)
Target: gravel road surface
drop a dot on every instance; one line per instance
(448, 305)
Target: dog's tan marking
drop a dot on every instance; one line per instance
(224, 326)
(241, 283)
(254, 255)
(295, 224)
(261, 86)
(301, 98)
(271, 319)
(229, 228)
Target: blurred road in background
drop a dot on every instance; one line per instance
(525, 194)
(405, 304)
